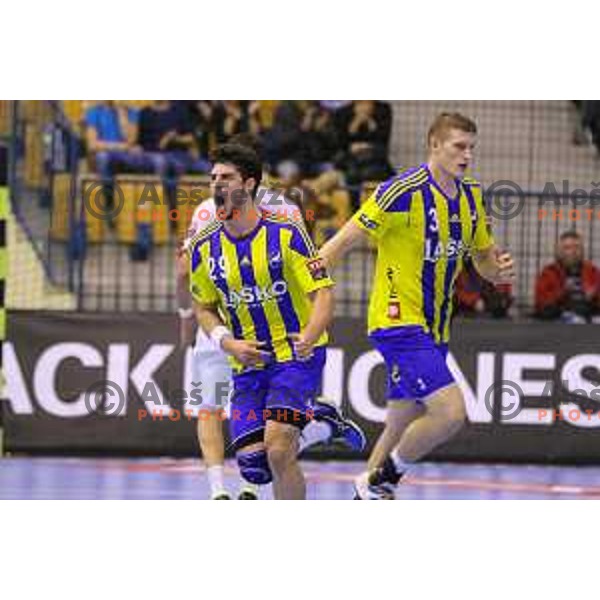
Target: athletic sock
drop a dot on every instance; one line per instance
(313, 433)
(215, 479)
(402, 465)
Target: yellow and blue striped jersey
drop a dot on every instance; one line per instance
(261, 282)
(422, 236)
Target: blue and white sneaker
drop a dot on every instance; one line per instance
(342, 430)
(378, 484)
(364, 490)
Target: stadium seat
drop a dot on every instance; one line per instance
(266, 111)
(153, 208)
(35, 112)
(126, 219)
(5, 124)
(60, 213)
(139, 103)
(144, 202)
(90, 199)
(34, 156)
(75, 110)
(74, 222)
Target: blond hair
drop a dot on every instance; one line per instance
(444, 122)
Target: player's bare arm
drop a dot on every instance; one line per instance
(248, 352)
(320, 319)
(494, 265)
(187, 324)
(208, 317)
(335, 249)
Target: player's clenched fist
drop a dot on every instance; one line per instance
(302, 345)
(246, 351)
(505, 267)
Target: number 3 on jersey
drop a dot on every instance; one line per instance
(433, 224)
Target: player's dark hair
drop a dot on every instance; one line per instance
(570, 235)
(444, 122)
(243, 158)
(248, 140)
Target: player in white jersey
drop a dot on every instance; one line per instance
(211, 367)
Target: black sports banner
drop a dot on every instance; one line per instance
(101, 383)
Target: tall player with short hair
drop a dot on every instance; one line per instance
(263, 275)
(424, 221)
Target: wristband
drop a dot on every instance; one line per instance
(185, 313)
(218, 333)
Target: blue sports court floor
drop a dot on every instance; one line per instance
(74, 478)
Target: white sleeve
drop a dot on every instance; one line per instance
(204, 215)
(204, 343)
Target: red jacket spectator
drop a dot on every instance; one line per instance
(568, 285)
(551, 289)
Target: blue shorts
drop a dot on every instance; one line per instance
(416, 365)
(281, 391)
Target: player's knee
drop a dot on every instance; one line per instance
(280, 453)
(449, 407)
(212, 411)
(455, 413)
(254, 467)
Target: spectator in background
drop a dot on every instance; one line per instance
(232, 117)
(302, 132)
(110, 131)
(587, 122)
(363, 132)
(285, 140)
(569, 288)
(475, 296)
(580, 134)
(319, 131)
(202, 116)
(166, 136)
(295, 192)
